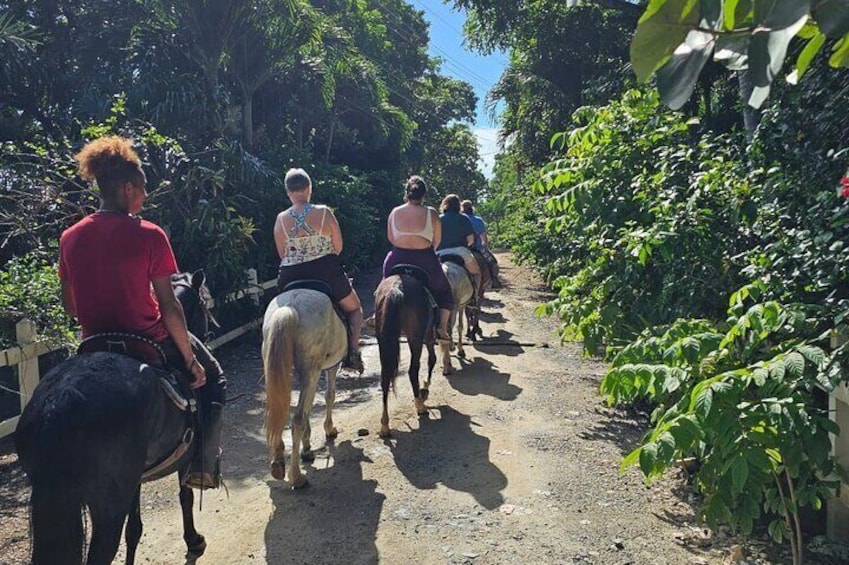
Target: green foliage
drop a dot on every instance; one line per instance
(676, 38)
(222, 97)
(743, 403)
(29, 288)
(652, 217)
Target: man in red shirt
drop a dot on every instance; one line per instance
(115, 270)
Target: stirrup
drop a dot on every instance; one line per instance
(354, 361)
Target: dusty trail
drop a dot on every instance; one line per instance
(517, 462)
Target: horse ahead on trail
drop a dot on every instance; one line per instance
(473, 311)
(463, 292)
(97, 426)
(402, 305)
(301, 334)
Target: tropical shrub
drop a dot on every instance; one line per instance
(29, 288)
(652, 216)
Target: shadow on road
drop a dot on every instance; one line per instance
(339, 507)
(480, 376)
(447, 451)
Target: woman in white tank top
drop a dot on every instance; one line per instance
(309, 241)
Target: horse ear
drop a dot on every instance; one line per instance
(198, 278)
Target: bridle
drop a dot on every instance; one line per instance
(201, 303)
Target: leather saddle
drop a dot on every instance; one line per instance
(420, 275)
(173, 382)
(322, 287)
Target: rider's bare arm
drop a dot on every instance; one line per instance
(484, 239)
(335, 232)
(280, 236)
(437, 228)
(389, 231)
(175, 323)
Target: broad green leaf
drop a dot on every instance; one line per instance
(832, 17)
(704, 403)
(736, 13)
(733, 52)
(840, 56)
(767, 50)
(630, 459)
(813, 354)
(677, 78)
(662, 28)
(830, 426)
(776, 530)
(780, 14)
(648, 458)
(739, 473)
(805, 58)
(795, 364)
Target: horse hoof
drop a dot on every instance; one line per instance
(384, 433)
(307, 456)
(196, 548)
(461, 354)
(278, 470)
(331, 435)
(300, 483)
(446, 372)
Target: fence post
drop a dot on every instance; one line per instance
(253, 286)
(28, 367)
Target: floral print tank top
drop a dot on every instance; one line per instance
(309, 247)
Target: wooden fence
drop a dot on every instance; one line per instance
(24, 357)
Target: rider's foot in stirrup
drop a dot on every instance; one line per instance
(354, 361)
(442, 335)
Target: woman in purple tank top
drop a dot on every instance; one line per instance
(415, 232)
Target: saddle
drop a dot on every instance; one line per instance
(172, 380)
(322, 287)
(420, 275)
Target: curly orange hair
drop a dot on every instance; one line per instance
(111, 161)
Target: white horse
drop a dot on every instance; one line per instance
(461, 289)
(302, 334)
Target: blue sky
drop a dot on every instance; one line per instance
(446, 43)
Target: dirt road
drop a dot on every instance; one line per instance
(517, 462)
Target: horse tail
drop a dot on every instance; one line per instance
(278, 363)
(389, 321)
(42, 441)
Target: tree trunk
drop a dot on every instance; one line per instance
(330, 135)
(247, 119)
(751, 116)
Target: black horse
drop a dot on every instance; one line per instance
(94, 426)
(401, 305)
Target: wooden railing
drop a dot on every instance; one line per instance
(24, 357)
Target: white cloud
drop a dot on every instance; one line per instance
(488, 146)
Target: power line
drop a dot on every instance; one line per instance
(471, 77)
(438, 16)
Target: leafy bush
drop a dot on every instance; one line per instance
(652, 218)
(741, 399)
(29, 288)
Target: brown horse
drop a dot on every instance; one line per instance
(401, 305)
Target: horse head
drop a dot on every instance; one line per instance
(190, 289)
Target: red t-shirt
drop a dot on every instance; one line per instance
(108, 261)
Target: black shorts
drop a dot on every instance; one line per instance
(327, 269)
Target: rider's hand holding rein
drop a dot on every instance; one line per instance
(175, 323)
(198, 372)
